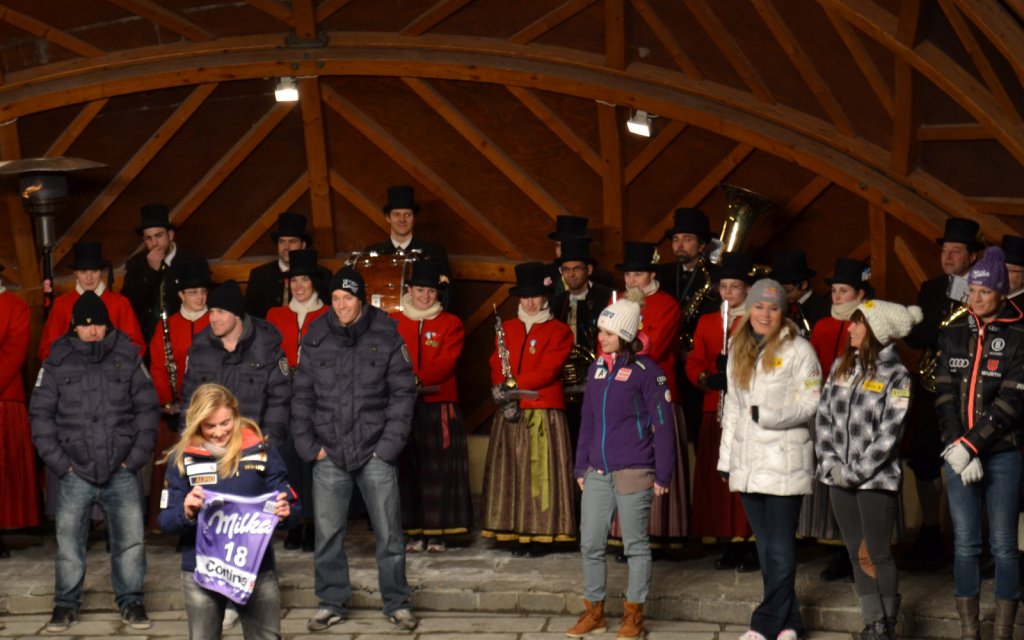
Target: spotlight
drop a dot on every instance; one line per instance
(287, 90)
(640, 124)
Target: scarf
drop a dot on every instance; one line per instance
(652, 288)
(2, 287)
(736, 313)
(192, 316)
(419, 315)
(214, 450)
(100, 288)
(845, 310)
(540, 317)
(303, 308)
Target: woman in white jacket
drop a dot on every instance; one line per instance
(767, 453)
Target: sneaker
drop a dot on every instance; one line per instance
(322, 619)
(62, 618)
(415, 545)
(134, 615)
(230, 618)
(436, 546)
(752, 635)
(788, 634)
(404, 620)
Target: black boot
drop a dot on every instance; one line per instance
(839, 567)
(730, 557)
(749, 562)
(4, 551)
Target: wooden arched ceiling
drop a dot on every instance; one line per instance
(869, 122)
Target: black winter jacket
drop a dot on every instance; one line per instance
(987, 366)
(94, 408)
(256, 372)
(354, 391)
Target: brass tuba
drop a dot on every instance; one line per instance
(744, 207)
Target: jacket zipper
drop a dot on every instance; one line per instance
(636, 413)
(604, 416)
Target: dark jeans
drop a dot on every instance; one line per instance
(774, 520)
(866, 519)
(260, 617)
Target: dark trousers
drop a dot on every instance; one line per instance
(866, 519)
(774, 521)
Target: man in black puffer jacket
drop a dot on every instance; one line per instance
(352, 409)
(94, 415)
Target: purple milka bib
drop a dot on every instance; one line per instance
(232, 535)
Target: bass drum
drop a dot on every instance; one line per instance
(385, 277)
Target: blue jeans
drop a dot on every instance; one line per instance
(332, 492)
(998, 490)
(260, 617)
(774, 520)
(121, 500)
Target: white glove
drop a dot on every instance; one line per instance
(972, 472)
(957, 456)
(835, 474)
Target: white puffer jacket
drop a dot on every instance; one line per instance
(774, 455)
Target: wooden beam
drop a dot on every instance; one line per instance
(615, 34)
(433, 17)
(879, 250)
(304, 18)
(904, 144)
(266, 220)
(20, 222)
(864, 62)
(67, 137)
(165, 18)
(485, 269)
(274, 9)
(316, 163)
(796, 54)
(558, 126)
(359, 200)
(49, 33)
(132, 168)
(230, 161)
(732, 51)
(909, 262)
(485, 312)
(667, 40)
(405, 158)
(474, 268)
(998, 206)
(549, 21)
(487, 147)
(613, 189)
(806, 196)
(653, 149)
(946, 132)
(1001, 27)
(327, 8)
(977, 55)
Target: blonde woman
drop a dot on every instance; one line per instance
(222, 451)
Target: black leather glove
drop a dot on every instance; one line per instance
(721, 360)
(717, 381)
(724, 475)
(755, 415)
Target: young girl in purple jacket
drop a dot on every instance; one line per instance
(624, 457)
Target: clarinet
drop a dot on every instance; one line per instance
(510, 407)
(172, 367)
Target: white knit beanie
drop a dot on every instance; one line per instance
(888, 320)
(621, 318)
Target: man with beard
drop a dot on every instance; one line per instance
(268, 283)
(805, 307)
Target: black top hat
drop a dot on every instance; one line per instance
(736, 265)
(302, 262)
(962, 230)
(191, 274)
(568, 227)
(639, 256)
(88, 255)
(690, 220)
(291, 225)
(1013, 248)
(575, 250)
(529, 280)
(401, 197)
(852, 272)
(425, 273)
(154, 215)
(790, 267)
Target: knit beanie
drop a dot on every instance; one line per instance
(348, 279)
(766, 290)
(990, 271)
(621, 318)
(227, 297)
(89, 309)
(889, 321)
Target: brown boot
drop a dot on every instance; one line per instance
(632, 621)
(970, 627)
(1002, 624)
(591, 621)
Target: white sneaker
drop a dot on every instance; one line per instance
(230, 618)
(752, 635)
(787, 634)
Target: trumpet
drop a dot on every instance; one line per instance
(929, 363)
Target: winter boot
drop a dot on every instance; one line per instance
(1002, 624)
(632, 621)
(970, 626)
(591, 621)
(892, 613)
(874, 618)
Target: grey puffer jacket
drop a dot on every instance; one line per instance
(354, 391)
(860, 423)
(94, 408)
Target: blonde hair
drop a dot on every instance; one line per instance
(746, 347)
(207, 399)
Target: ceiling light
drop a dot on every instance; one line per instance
(287, 90)
(640, 124)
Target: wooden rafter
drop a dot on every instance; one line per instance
(304, 17)
(487, 147)
(20, 223)
(267, 219)
(904, 144)
(477, 268)
(615, 34)
(75, 129)
(485, 311)
(327, 8)
(359, 200)
(1001, 28)
(999, 206)
(729, 48)
(864, 62)
(165, 18)
(613, 188)
(132, 169)
(708, 183)
(316, 162)
(992, 228)
(51, 34)
(549, 21)
(910, 264)
(433, 17)
(273, 8)
(964, 131)
(558, 126)
(653, 149)
(796, 54)
(667, 40)
(784, 217)
(230, 161)
(977, 54)
(483, 268)
(1017, 6)
(879, 250)
(405, 158)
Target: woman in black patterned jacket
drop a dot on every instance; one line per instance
(858, 430)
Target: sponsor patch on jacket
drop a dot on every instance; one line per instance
(662, 381)
(405, 353)
(874, 386)
(812, 383)
(777, 363)
(209, 479)
(601, 373)
(992, 365)
(282, 364)
(39, 377)
(998, 345)
(623, 374)
(900, 398)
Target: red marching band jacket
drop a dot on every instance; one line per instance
(181, 331)
(537, 359)
(829, 339)
(14, 327)
(287, 322)
(434, 348)
(59, 321)
(707, 346)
